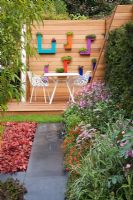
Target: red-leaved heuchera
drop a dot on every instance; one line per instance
(16, 146)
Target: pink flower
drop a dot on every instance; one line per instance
(128, 166)
(122, 144)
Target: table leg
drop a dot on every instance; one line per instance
(52, 96)
(70, 92)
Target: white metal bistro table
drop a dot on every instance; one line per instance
(55, 79)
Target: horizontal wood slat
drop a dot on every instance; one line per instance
(124, 9)
(60, 36)
(99, 22)
(60, 31)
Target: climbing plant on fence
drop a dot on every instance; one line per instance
(119, 65)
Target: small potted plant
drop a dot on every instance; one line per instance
(80, 69)
(94, 61)
(68, 45)
(59, 70)
(46, 68)
(38, 33)
(53, 40)
(66, 60)
(82, 49)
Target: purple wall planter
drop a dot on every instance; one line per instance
(46, 68)
(88, 45)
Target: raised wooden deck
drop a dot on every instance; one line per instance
(15, 108)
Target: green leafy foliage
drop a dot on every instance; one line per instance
(78, 17)
(59, 70)
(100, 173)
(93, 8)
(66, 58)
(82, 49)
(91, 36)
(119, 66)
(12, 190)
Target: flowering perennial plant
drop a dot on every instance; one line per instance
(91, 94)
(125, 143)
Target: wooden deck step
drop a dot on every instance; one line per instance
(15, 108)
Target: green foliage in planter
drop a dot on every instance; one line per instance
(82, 49)
(93, 60)
(11, 190)
(119, 66)
(91, 36)
(66, 58)
(69, 33)
(59, 70)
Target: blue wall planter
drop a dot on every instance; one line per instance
(51, 50)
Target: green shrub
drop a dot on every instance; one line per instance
(71, 117)
(11, 190)
(119, 66)
(93, 8)
(72, 121)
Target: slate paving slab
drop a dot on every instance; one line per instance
(45, 179)
(18, 175)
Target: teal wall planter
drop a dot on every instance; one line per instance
(51, 50)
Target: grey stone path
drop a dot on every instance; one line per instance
(44, 178)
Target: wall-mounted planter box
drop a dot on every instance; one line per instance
(94, 62)
(51, 50)
(66, 60)
(68, 46)
(89, 39)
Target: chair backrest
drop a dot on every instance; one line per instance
(30, 75)
(36, 80)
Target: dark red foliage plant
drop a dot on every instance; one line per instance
(16, 146)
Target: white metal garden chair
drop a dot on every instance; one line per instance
(81, 81)
(37, 81)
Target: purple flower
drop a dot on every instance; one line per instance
(130, 153)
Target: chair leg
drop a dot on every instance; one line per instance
(72, 93)
(44, 93)
(35, 93)
(73, 90)
(48, 95)
(32, 94)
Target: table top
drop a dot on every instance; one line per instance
(61, 74)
